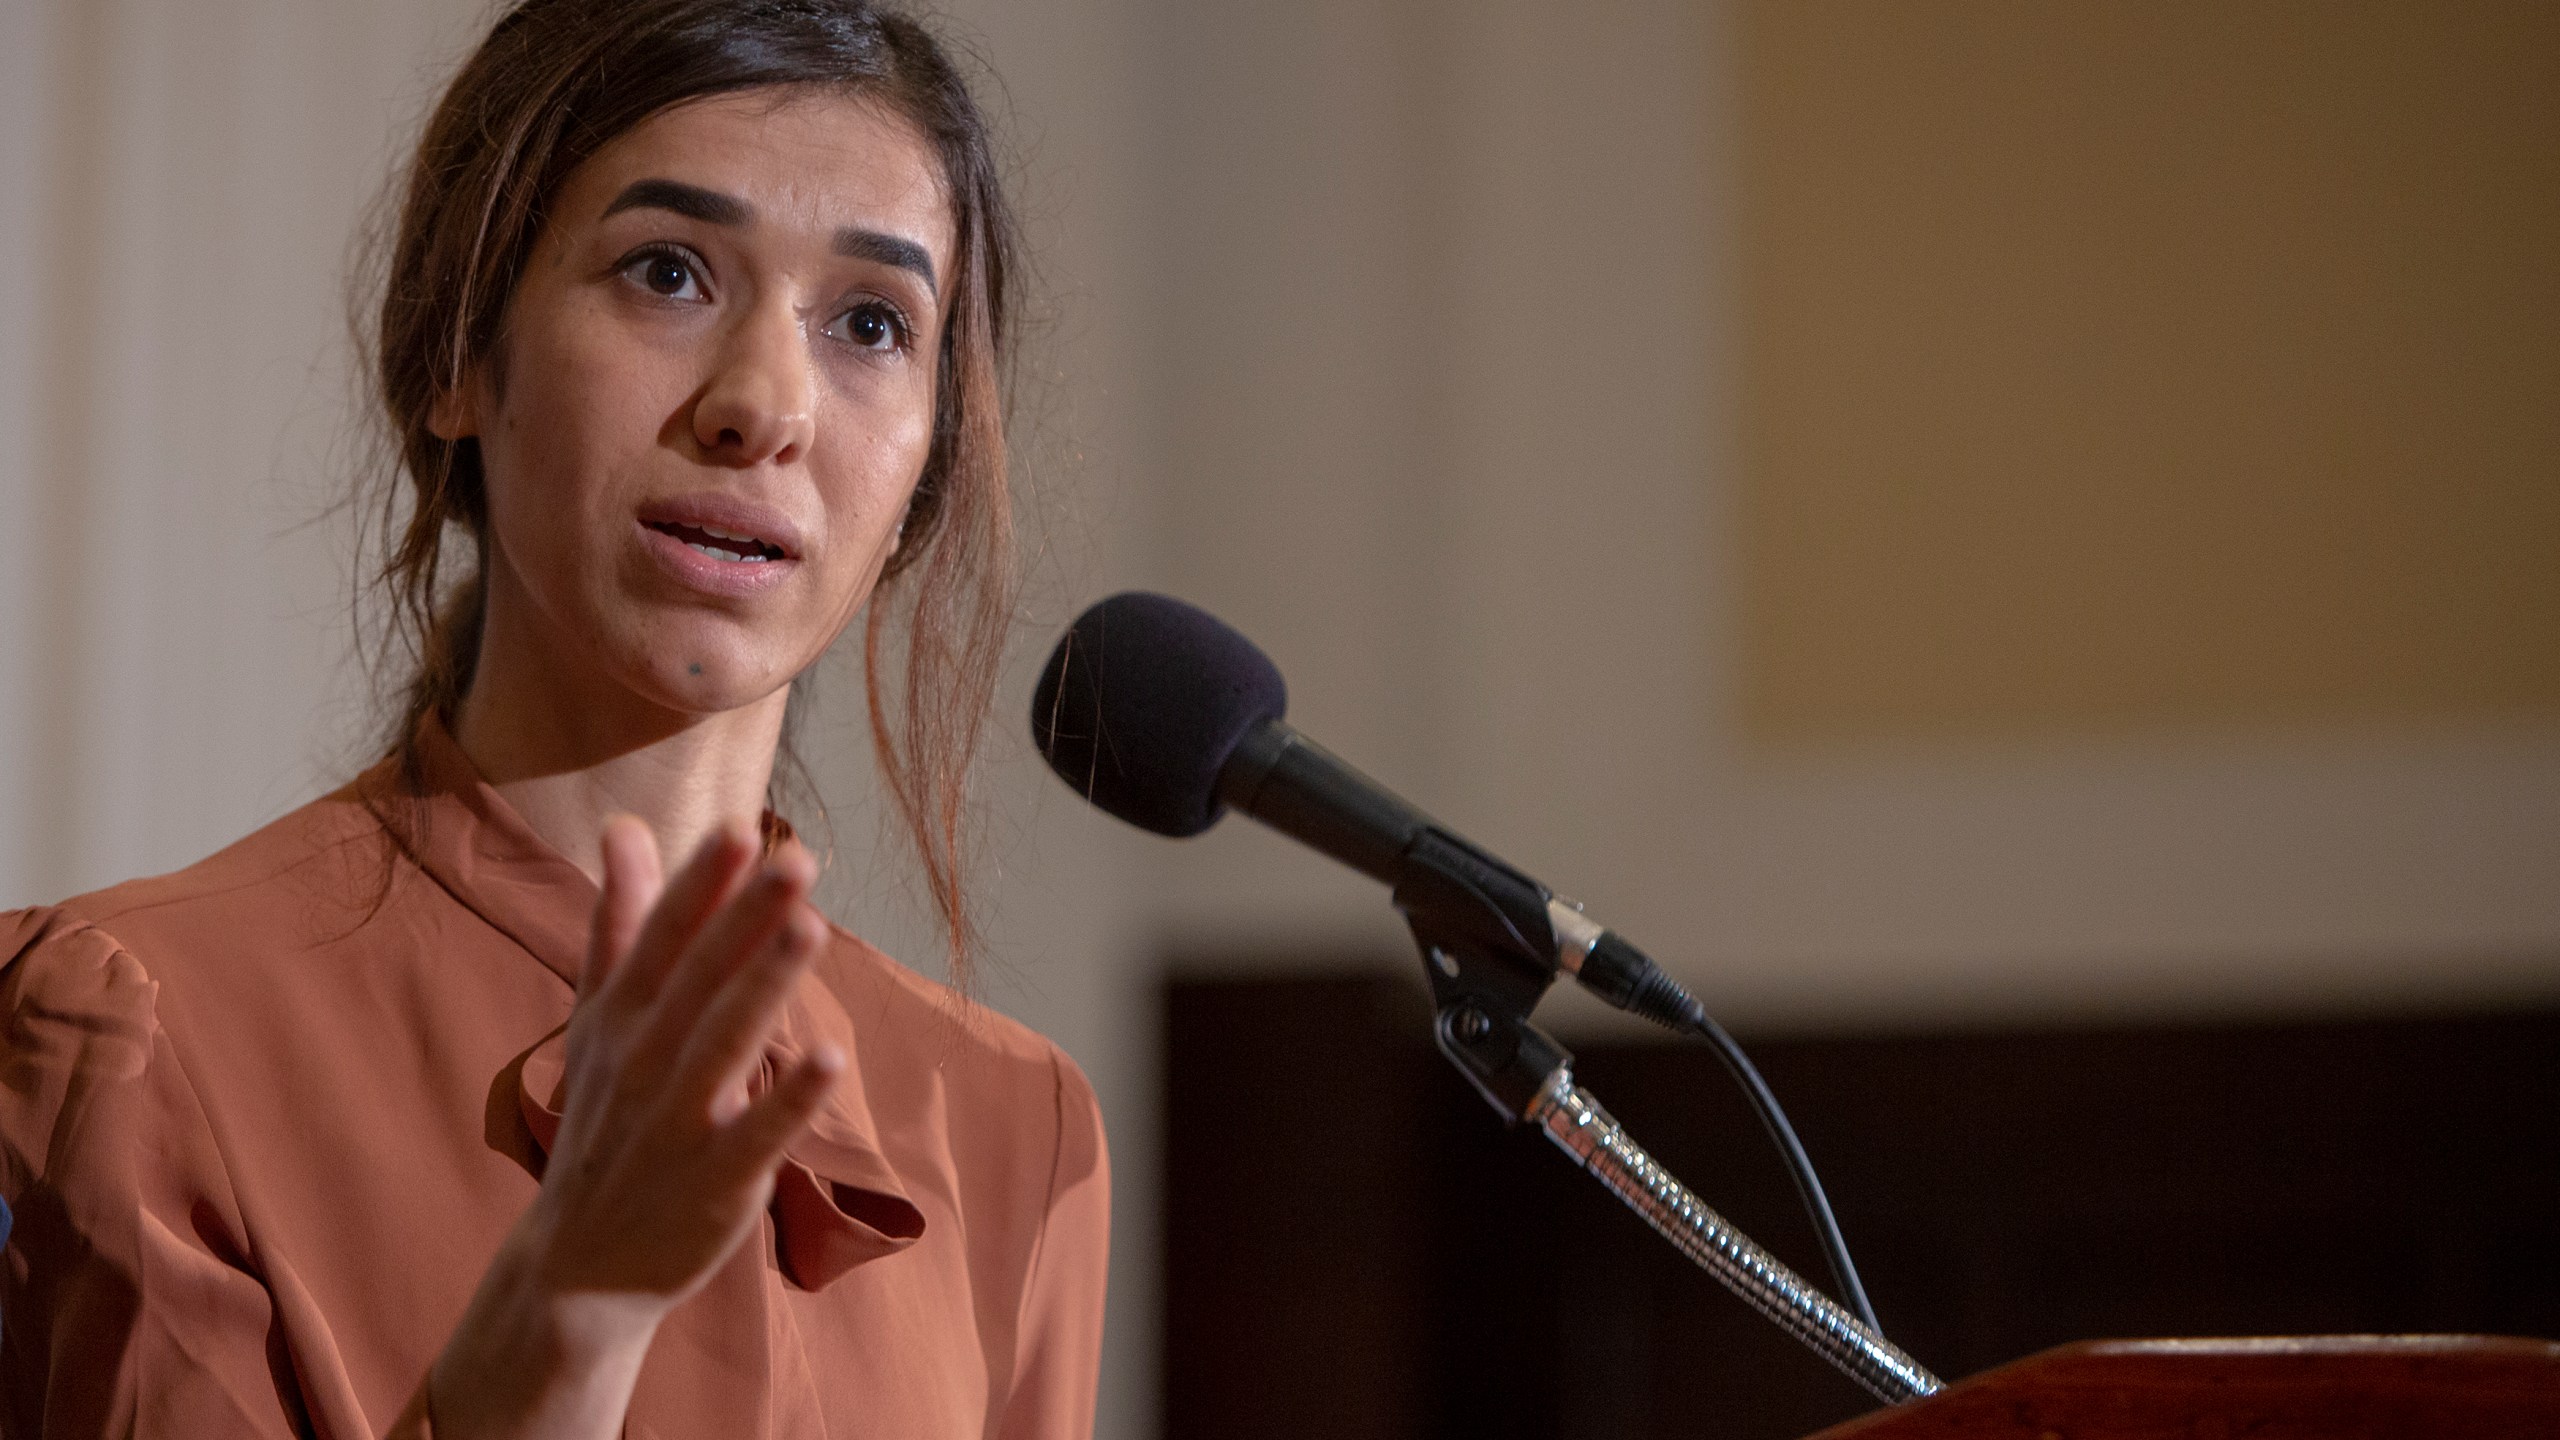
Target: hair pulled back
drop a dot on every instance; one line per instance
(556, 81)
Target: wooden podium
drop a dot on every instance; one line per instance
(2343, 1387)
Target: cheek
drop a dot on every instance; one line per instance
(575, 420)
(883, 455)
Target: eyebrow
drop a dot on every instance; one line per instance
(858, 244)
(713, 208)
(691, 201)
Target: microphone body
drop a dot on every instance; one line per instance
(1441, 880)
(1163, 715)
(1311, 795)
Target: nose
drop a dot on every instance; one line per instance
(759, 404)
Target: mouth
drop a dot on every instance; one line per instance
(731, 546)
(722, 545)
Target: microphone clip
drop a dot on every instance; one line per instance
(1488, 952)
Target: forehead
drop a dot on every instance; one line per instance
(806, 163)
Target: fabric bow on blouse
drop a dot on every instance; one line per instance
(836, 1203)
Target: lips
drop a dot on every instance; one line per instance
(720, 544)
(726, 527)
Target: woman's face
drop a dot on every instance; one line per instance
(713, 396)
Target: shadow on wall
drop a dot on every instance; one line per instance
(1355, 1246)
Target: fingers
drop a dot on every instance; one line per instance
(756, 910)
(704, 963)
(756, 1140)
(728, 1038)
(632, 881)
(707, 882)
(721, 999)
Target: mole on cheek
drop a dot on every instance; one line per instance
(695, 667)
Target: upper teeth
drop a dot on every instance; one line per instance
(734, 546)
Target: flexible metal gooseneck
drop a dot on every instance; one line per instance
(1526, 1076)
(1573, 1119)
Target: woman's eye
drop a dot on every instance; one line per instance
(873, 326)
(666, 274)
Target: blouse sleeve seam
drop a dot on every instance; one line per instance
(1049, 1206)
(99, 920)
(222, 1159)
(203, 1117)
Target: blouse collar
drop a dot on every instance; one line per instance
(837, 1201)
(475, 845)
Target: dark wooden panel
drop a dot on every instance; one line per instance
(1427, 1272)
(1294, 1248)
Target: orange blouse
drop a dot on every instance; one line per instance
(260, 1136)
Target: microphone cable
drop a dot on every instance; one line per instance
(1624, 976)
(1773, 1119)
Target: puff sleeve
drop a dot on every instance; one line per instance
(126, 1301)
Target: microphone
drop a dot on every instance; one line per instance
(1159, 713)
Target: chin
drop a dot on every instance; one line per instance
(705, 680)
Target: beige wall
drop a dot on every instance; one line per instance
(2129, 365)
(183, 184)
(1405, 333)
(1527, 594)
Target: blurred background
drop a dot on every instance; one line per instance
(2015, 546)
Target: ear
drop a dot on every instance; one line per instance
(455, 415)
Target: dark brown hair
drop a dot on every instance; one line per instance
(556, 81)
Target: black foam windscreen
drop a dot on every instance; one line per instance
(1143, 701)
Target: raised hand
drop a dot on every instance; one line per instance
(664, 1160)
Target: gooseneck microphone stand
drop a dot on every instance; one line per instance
(1486, 976)
(1162, 715)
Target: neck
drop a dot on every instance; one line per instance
(569, 756)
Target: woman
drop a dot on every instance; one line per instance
(432, 1108)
